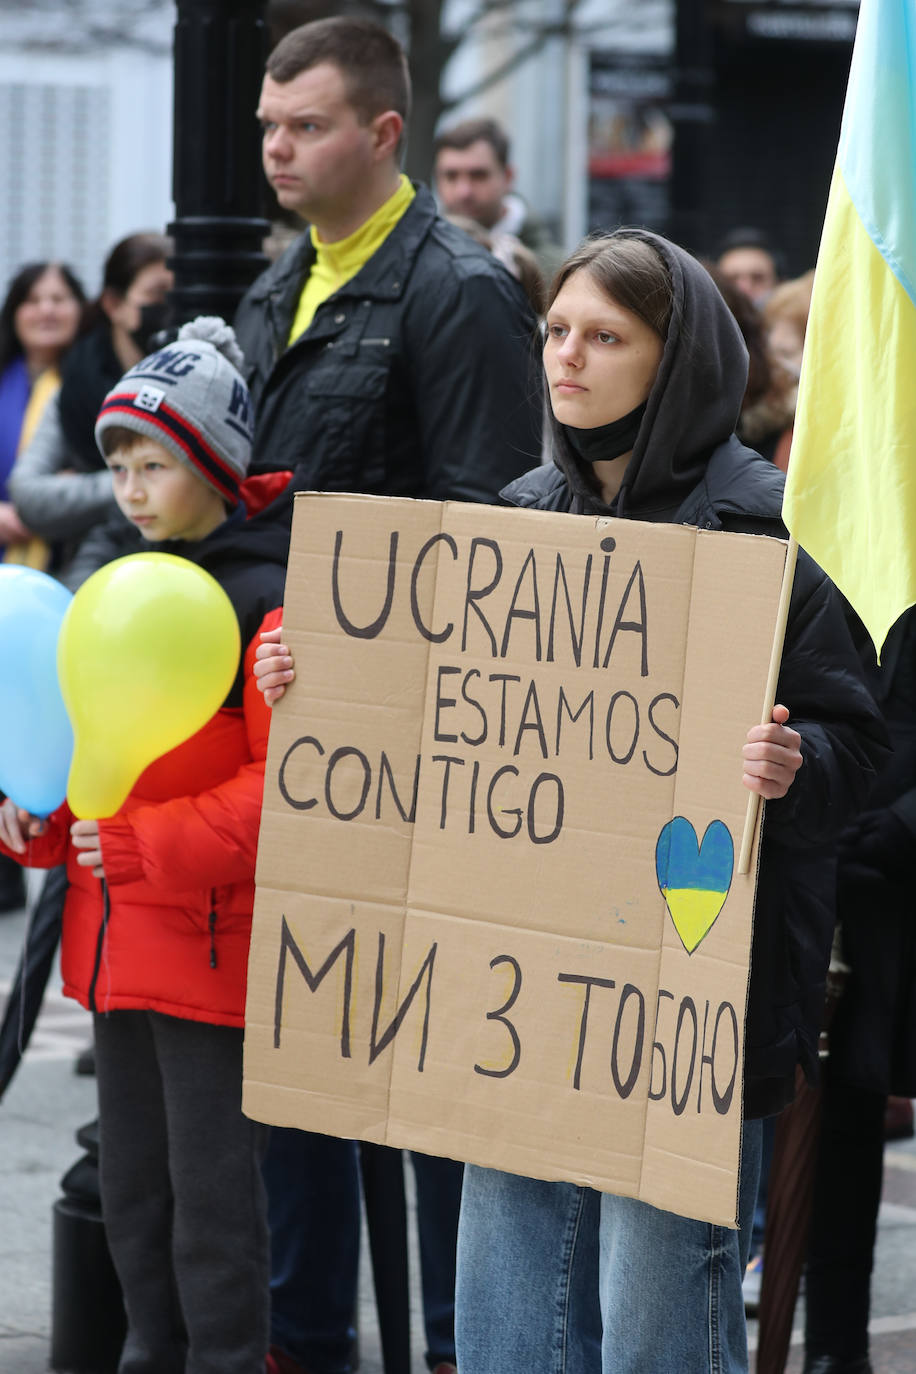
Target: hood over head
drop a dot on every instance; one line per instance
(694, 402)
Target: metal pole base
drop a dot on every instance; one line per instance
(88, 1324)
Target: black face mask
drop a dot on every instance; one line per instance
(153, 320)
(607, 441)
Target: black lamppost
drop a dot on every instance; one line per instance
(220, 47)
(692, 114)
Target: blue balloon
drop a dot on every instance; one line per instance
(36, 741)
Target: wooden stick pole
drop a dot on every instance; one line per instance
(769, 701)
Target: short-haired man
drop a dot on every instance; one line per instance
(386, 353)
(750, 262)
(474, 177)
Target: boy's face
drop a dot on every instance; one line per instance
(162, 497)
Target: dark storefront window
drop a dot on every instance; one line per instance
(629, 140)
(748, 140)
(780, 70)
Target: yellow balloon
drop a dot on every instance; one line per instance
(148, 650)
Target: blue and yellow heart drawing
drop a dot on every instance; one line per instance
(694, 877)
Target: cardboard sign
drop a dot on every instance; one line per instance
(497, 914)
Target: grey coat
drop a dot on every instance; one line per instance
(53, 502)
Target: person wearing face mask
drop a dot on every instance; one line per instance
(58, 485)
(646, 370)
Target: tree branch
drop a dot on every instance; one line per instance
(565, 27)
(498, 74)
(493, 7)
(540, 34)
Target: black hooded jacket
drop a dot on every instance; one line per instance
(689, 468)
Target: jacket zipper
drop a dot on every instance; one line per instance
(211, 926)
(99, 946)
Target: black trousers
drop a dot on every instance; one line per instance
(182, 1196)
(844, 1222)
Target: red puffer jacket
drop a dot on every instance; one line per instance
(179, 860)
(179, 856)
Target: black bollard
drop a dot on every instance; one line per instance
(218, 234)
(88, 1324)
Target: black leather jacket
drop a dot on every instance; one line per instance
(843, 742)
(416, 378)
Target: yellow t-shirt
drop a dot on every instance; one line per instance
(336, 263)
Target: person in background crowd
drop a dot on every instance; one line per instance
(768, 408)
(873, 1031)
(748, 259)
(59, 484)
(785, 318)
(38, 323)
(386, 353)
(512, 253)
(646, 371)
(473, 177)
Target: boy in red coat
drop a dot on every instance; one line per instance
(158, 915)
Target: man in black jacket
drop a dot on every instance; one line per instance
(386, 353)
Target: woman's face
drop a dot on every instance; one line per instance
(46, 321)
(149, 287)
(600, 359)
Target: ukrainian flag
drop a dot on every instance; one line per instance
(851, 491)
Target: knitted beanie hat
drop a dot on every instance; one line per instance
(191, 398)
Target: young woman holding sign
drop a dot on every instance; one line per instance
(646, 369)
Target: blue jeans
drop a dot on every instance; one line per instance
(313, 1189)
(313, 1209)
(564, 1280)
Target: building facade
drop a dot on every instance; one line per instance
(85, 129)
(691, 117)
(687, 116)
